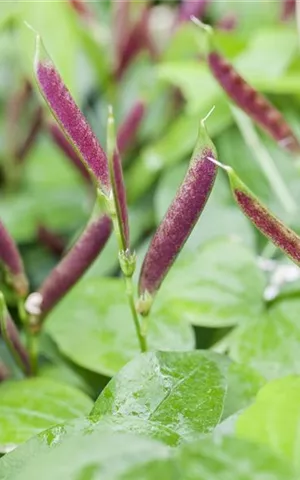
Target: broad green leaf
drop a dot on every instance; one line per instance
(251, 63)
(182, 391)
(57, 209)
(230, 458)
(243, 385)
(217, 286)
(83, 450)
(274, 419)
(139, 426)
(220, 216)
(103, 337)
(29, 406)
(270, 343)
(58, 368)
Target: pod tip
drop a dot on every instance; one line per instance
(198, 23)
(203, 120)
(227, 168)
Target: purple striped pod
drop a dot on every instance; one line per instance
(288, 9)
(128, 129)
(248, 99)
(179, 220)
(269, 225)
(252, 102)
(12, 263)
(117, 182)
(51, 240)
(70, 118)
(136, 40)
(11, 337)
(71, 268)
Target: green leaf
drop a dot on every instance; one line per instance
(252, 63)
(222, 285)
(230, 459)
(243, 385)
(139, 426)
(29, 406)
(274, 419)
(270, 343)
(228, 220)
(182, 391)
(82, 450)
(103, 336)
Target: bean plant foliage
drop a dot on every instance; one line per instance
(149, 240)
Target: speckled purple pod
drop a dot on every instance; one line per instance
(252, 102)
(12, 262)
(75, 263)
(11, 335)
(70, 118)
(180, 218)
(117, 181)
(270, 226)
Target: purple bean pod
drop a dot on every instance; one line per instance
(12, 262)
(267, 223)
(70, 118)
(179, 220)
(75, 263)
(117, 182)
(128, 129)
(252, 102)
(11, 337)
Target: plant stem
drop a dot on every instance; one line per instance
(31, 338)
(129, 284)
(141, 337)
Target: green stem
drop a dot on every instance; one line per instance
(141, 337)
(129, 285)
(31, 338)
